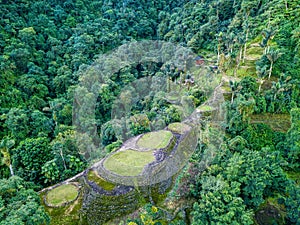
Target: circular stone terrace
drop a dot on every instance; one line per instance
(132, 161)
(142, 159)
(62, 195)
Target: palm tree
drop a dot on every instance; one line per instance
(241, 41)
(261, 73)
(268, 34)
(272, 56)
(246, 29)
(234, 86)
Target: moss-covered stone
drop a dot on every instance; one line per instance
(94, 177)
(69, 214)
(179, 128)
(100, 208)
(269, 214)
(205, 108)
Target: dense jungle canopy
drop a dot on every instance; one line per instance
(47, 46)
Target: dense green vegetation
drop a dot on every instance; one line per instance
(46, 47)
(19, 203)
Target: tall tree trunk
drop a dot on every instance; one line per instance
(11, 170)
(286, 5)
(62, 156)
(245, 45)
(241, 53)
(218, 57)
(237, 61)
(271, 68)
(260, 84)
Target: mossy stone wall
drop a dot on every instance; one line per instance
(98, 208)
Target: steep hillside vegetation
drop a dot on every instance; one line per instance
(248, 176)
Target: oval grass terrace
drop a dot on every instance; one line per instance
(132, 160)
(155, 140)
(62, 195)
(129, 162)
(149, 158)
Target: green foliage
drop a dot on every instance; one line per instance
(150, 215)
(219, 203)
(46, 46)
(259, 136)
(113, 146)
(293, 140)
(19, 204)
(18, 123)
(42, 125)
(29, 157)
(292, 203)
(248, 86)
(51, 171)
(108, 134)
(65, 160)
(236, 183)
(139, 124)
(5, 156)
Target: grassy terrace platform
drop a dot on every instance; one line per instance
(62, 194)
(129, 162)
(94, 177)
(277, 122)
(155, 140)
(205, 108)
(179, 128)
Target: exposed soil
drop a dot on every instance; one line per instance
(269, 215)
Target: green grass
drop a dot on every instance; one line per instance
(205, 108)
(242, 71)
(278, 122)
(173, 96)
(226, 88)
(155, 140)
(254, 52)
(246, 71)
(179, 128)
(65, 215)
(62, 194)
(128, 162)
(93, 176)
(294, 176)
